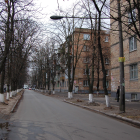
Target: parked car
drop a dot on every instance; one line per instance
(29, 88)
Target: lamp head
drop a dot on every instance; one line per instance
(56, 17)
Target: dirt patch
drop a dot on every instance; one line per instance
(6, 107)
(108, 108)
(92, 104)
(133, 114)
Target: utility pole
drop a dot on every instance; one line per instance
(121, 60)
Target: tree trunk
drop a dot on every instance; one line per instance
(102, 62)
(2, 85)
(2, 80)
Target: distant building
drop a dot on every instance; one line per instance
(82, 40)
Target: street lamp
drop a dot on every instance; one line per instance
(56, 17)
(60, 17)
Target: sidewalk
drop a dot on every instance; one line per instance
(6, 109)
(5, 112)
(131, 115)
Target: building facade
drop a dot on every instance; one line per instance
(131, 48)
(86, 50)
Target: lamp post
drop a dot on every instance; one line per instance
(60, 17)
(121, 60)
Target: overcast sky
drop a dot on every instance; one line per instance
(48, 7)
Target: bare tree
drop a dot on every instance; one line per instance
(10, 12)
(66, 36)
(99, 7)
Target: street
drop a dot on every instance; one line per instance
(40, 117)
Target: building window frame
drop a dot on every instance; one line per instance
(133, 14)
(86, 60)
(106, 61)
(133, 96)
(107, 84)
(132, 43)
(85, 83)
(106, 39)
(85, 72)
(86, 36)
(133, 71)
(107, 72)
(85, 48)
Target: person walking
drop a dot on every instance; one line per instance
(118, 93)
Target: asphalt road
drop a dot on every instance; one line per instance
(128, 104)
(40, 117)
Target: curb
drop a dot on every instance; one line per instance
(110, 115)
(15, 105)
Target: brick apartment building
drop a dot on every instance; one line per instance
(131, 47)
(82, 40)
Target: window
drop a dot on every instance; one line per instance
(132, 43)
(86, 60)
(85, 71)
(86, 36)
(106, 39)
(131, 17)
(58, 84)
(106, 61)
(107, 84)
(134, 96)
(85, 83)
(133, 72)
(85, 48)
(107, 72)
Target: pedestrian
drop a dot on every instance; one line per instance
(118, 93)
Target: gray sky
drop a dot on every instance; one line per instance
(48, 7)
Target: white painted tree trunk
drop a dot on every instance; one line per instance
(107, 101)
(1, 98)
(97, 93)
(91, 98)
(14, 93)
(70, 95)
(53, 92)
(7, 97)
(11, 94)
